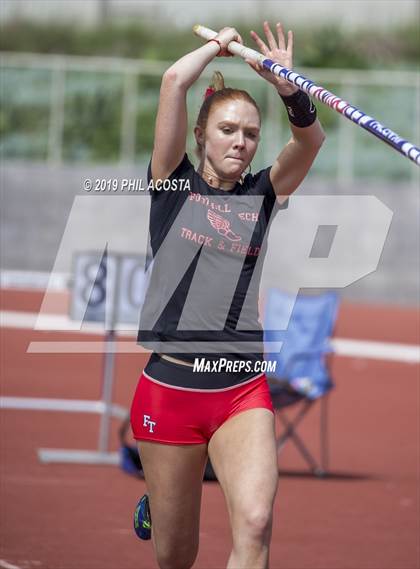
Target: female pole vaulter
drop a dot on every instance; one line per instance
(179, 415)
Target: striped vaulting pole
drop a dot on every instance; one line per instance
(352, 113)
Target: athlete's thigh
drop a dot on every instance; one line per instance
(244, 456)
(174, 478)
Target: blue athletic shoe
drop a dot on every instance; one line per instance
(142, 519)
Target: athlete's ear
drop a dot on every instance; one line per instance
(199, 135)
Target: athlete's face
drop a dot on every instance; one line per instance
(231, 138)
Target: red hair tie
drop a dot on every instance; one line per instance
(209, 92)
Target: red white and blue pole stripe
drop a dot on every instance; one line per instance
(352, 113)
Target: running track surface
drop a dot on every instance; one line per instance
(364, 516)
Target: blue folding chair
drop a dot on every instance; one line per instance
(304, 324)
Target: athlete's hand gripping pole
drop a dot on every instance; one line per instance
(354, 114)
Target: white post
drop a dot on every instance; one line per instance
(56, 124)
(415, 174)
(107, 388)
(345, 154)
(128, 119)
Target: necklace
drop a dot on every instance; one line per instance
(210, 179)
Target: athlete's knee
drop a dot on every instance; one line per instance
(253, 524)
(178, 556)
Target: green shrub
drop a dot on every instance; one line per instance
(327, 46)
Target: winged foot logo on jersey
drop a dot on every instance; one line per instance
(222, 226)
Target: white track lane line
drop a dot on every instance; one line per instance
(7, 565)
(388, 351)
(56, 323)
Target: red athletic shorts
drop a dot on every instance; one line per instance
(174, 415)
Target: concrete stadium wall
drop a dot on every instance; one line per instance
(45, 208)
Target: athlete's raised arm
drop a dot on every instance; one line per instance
(171, 120)
(294, 161)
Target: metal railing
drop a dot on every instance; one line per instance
(342, 158)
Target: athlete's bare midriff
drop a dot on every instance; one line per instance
(176, 360)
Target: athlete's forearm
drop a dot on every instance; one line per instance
(311, 136)
(188, 69)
